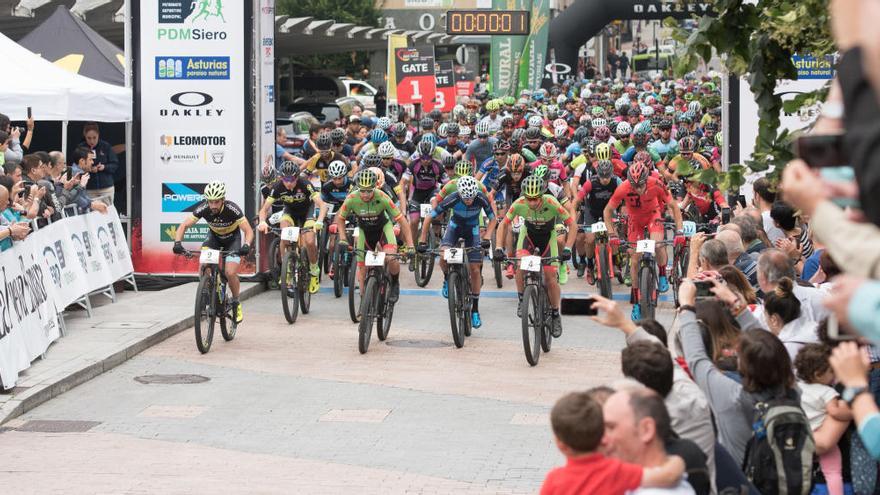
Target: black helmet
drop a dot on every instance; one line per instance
(371, 160)
(337, 136)
(427, 123)
(324, 141)
(436, 115)
(399, 129)
(533, 133)
(452, 129)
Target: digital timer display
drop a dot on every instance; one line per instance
(500, 22)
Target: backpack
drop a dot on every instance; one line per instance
(779, 456)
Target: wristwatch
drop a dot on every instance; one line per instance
(850, 393)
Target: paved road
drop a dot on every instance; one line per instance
(296, 409)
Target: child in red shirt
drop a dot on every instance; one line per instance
(578, 428)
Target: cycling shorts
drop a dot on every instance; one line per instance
(370, 238)
(419, 197)
(637, 224)
(471, 236)
(545, 244)
(303, 222)
(231, 243)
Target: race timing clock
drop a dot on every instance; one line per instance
(498, 22)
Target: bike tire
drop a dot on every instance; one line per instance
(603, 255)
(338, 272)
(677, 274)
(324, 253)
(546, 336)
(227, 330)
(425, 262)
(532, 325)
(497, 267)
(385, 313)
(354, 292)
(465, 307)
(289, 283)
(304, 279)
(647, 291)
(368, 314)
(274, 263)
(204, 329)
(453, 303)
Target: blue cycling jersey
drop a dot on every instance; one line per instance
(490, 170)
(665, 150)
(463, 214)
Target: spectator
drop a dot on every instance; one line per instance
(623, 64)
(851, 365)
(613, 63)
(281, 154)
(782, 313)
(13, 170)
(102, 171)
(737, 256)
(4, 146)
(797, 240)
(68, 187)
(351, 133)
(710, 255)
(749, 233)
(14, 153)
(578, 428)
(737, 282)
(763, 200)
(773, 266)
(9, 230)
(381, 101)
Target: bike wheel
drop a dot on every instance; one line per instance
(623, 264)
(385, 312)
(602, 256)
(274, 262)
(546, 336)
(454, 302)
(677, 274)
(532, 315)
(289, 287)
(368, 314)
(304, 279)
(227, 329)
(425, 262)
(354, 292)
(204, 316)
(324, 253)
(647, 291)
(338, 273)
(496, 266)
(464, 315)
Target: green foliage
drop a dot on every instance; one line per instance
(359, 12)
(759, 39)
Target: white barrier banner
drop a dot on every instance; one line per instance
(48, 271)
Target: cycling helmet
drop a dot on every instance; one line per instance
(597, 111)
(452, 130)
(687, 144)
(590, 146)
(548, 150)
(463, 168)
(603, 151)
(442, 131)
(471, 118)
(509, 100)
(430, 137)
(533, 186)
(580, 133)
(336, 169)
(711, 126)
(289, 169)
(604, 169)
(426, 148)
(216, 190)
(552, 112)
(602, 133)
(683, 133)
(371, 160)
(535, 121)
(367, 179)
(669, 110)
(518, 134)
(688, 117)
(623, 129)
(464, 131)
(399, 129)
(323, 142)
(598, 122)
(533, 133)
(560, 132)
(560, 123)
(542, 171)
(694, 107)
(427, 123)
(501, 147)
(516, 163)
(337, 136)
(719, 140)
(378, 136)
(268, 174)
(640, 139)
(383, 123)
(387, 150)
(448, 161)
(467, 187)
(637, 174)
(482, 129)
(492, 106)
(643, 157)
(647, 111)
(634, 111)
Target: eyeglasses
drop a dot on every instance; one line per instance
(288, 178)
(483, 136)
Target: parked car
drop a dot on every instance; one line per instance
(363, 91)
(325, 88)
(296, 125)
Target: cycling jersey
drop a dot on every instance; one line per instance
(557, 171)
(297, 200)
(641, 205)
(426, 174)
(541, 220)
(669, 148)
(490, 171)
(680, 160)
(599, 196)
(463, 214)
(372, 214)
(510, 188)
(631, 153)
(405, 149)
(318, 165)
(333, 194)
(225, 223)
(452, 148)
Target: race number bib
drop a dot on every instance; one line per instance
(689, 228)
(425, 209)
(275, 218)
(374, 259)
(530, 263)
(454, 255)
(598, 228)
(290, 234)
(645, 246)
(209, 257)
(517, 223)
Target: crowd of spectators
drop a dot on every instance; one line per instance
(792, 324)
(41, 187)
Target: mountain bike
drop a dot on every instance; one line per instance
(536, 310)
(213, 299)
(604, 259)
(647, 274)
(681, 255)
(295, 274)
(324, 252)
(375, 306)
(340, 261)
(458, 279)
(423, 264)
(274, 251)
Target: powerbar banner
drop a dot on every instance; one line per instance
(505, 53)
(192, 74)
(534, 55)
(415, 75)
(49, 270)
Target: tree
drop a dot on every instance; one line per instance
(359, 12)
(758, 40)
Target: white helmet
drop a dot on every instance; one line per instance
(695, 107)
(548, 150)
(458, 110)
(337, 168)
(647, 111)
(383, 123)
(560, 123)
(560, 132)
(467, 187)
(482, 128)
(387, 150)
(535, 121)
(624, 129)
(441, 131)
(215, 190)
(598, 122)
(464, 131)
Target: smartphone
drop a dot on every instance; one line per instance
(578, 306)
(834, 330)
(29, 113)
(704, 289)
(822, 150)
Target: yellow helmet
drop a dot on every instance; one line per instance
(533, 187)
(603, 151)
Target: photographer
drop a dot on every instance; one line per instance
(103, 167)
(10, 229)
(70, 182)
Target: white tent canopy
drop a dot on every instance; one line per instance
(55, 94)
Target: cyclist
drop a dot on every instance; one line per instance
(540, 212)
(225, 222)
(599, 189)
(425, 174)
(299, 199)
(452, 144)
(374, 140)
(489, 169)
(405, 147)
(334, 192)
(703, 202)
(375, 213)
(665, 146)
(623, 132)
(645, 196)
(604, 152)
(391, 160)
(337, 136)
(466, 204)
(687, 160)
(481, 149)
(556, 172)
(640, 143)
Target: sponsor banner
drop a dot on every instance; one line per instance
(505, 53)
(192, 67)
(809, 67)
(265, 72)
(415, 75)
(48, 271)
(195, 234)
(395, 41)
(193, 113)
(534, 55)
(464, 88)
(444, 96)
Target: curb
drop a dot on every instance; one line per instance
(35, 396)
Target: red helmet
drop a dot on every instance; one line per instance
(602, 133)
(644, 158)
(637, 174)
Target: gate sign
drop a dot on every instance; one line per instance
(414, 68)
(444, 99)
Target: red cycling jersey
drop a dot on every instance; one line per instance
(642, 205)
(703, 201)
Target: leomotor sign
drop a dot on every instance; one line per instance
(414, 69)
(192, 71)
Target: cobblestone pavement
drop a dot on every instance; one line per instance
(296, 409)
